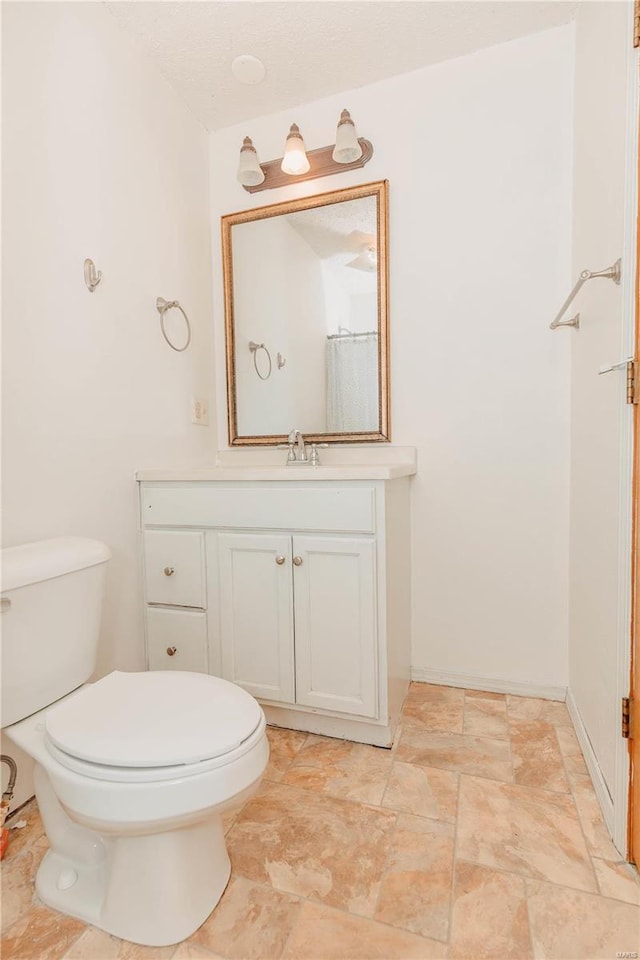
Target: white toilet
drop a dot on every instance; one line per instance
(133, 772)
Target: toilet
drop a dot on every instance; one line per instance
(132, 772)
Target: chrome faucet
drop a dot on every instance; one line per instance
(297, 447)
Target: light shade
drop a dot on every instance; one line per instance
(295, 160)
(250, 173)
(347, 148)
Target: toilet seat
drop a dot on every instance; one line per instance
(156, 725)
(98, 771)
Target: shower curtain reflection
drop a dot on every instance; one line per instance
(352, 383)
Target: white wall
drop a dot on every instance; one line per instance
(100, 159)
(600, 420)
(477, 152)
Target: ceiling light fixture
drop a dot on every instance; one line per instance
(348, 153)
(248, 69)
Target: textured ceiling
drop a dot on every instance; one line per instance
(314, 48)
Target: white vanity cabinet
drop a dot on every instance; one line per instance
(297, 590)
(312, 602)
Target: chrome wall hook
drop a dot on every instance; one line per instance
(92, 277)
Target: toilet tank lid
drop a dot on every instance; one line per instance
(46, 559)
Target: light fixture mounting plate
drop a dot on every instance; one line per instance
(321, 164)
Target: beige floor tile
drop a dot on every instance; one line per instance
(568, 742)
(422, 791)
(416, 890)
(486, 718)
(95, 944)
(598, 839)
(535, 833)
(191, 951)
(325, 934)
(571, 925)
(314, 846)
(19, 838)
(485, 695)
(480, 756)
(620, 881)
(340, 768)
(528, 708)
(434, 692)
(40, 934)
(575, 767)
(537, 761)
(489, 919)
(283, 747)
(438, 708)
(251, 921)
(18, 880)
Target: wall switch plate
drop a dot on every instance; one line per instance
(200, 411)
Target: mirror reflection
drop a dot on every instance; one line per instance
(305, 286)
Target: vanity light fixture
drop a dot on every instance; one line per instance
(295, 160)
(250, 173)
(348, 153)
(347, 148)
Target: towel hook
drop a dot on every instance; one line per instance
(92, 277)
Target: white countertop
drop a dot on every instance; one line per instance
(303, 472)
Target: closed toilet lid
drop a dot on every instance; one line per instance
(155, 719)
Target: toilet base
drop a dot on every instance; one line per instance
(154, 890)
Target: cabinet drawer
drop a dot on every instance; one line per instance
(174, 567)
(176, 639)
(332, 508)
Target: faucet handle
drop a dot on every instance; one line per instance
(314, 457)
(291, 455)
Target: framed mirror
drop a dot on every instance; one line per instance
(306, 318)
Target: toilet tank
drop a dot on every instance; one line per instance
(51, 604)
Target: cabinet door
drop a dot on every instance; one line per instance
(256, 613)
(176, 639)
(336, 624)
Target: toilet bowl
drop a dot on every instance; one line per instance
(133, 774)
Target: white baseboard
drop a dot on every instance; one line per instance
(490, 684)
(604, 797)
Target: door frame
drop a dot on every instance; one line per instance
(633, 817)
(623, 827)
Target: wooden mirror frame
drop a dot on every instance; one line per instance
(378, 189)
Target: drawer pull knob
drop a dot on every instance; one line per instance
(172, 651)
(297, 561)
(168, 571)
(279, 560)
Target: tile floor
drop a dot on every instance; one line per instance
(477, 836)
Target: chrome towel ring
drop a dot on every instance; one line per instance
(162, 306)
(254, 347)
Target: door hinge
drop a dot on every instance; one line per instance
(627, 718)
(636, 24)
(632, 381)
